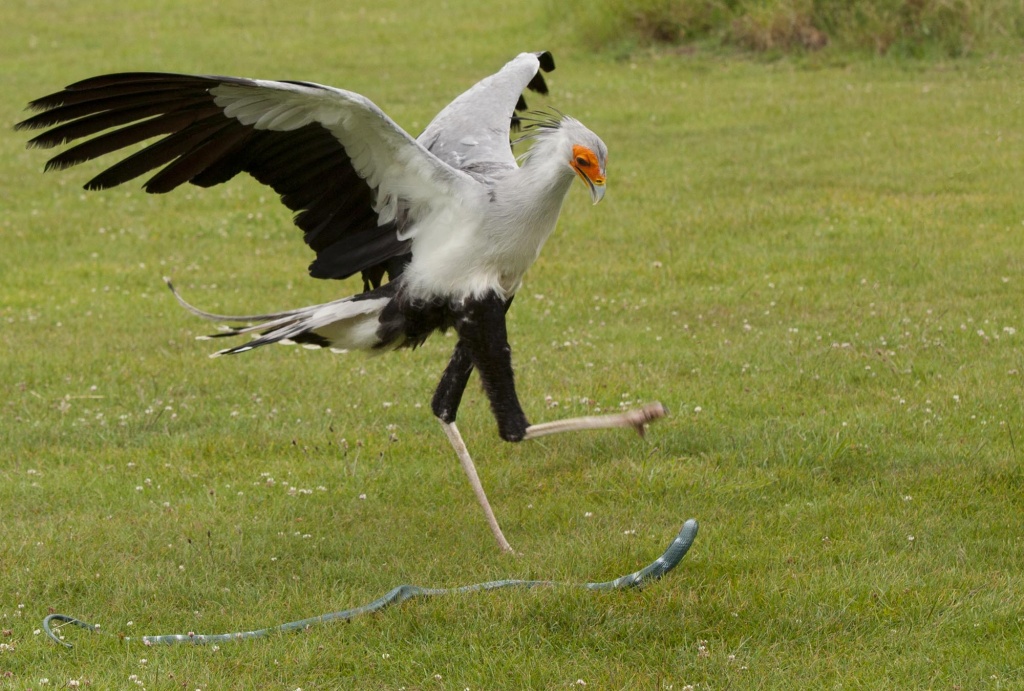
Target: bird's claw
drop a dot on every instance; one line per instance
(646, 415)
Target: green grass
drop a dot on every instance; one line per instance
(817, 268)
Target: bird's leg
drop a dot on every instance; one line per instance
(448, 394)
(482, 343)
(445, 405)
(474, 480)
(633, 418)
(483, 335)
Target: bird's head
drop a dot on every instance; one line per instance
(590, 166)
(583, 151)
(589, 157)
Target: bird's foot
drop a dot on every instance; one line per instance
(637, 419)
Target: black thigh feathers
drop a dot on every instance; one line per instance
(483, 345)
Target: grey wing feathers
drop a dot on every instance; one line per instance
(472, 132)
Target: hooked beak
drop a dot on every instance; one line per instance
(596, 186)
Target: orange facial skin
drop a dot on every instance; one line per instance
(585, 163)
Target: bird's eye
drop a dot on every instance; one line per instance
(582, 162)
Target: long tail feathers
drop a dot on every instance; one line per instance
(225, 317)
(343, 324)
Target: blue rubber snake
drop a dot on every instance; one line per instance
(655, 570)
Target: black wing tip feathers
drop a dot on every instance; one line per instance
(547, 60)
(547, 64)
(27, 124)
(40, 120)
(538, 84)
(59, 98)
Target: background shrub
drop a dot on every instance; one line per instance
(913, 28)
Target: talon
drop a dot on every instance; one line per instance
(654, 411)
(648, 414)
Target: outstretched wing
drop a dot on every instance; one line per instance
(346, 169)
(472, 132)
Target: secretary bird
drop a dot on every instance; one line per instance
(450, 217)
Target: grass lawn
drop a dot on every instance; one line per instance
(818, 267)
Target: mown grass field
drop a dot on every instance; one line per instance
(817, 266)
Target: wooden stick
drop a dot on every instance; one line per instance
(633, 418)
(452, 432)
